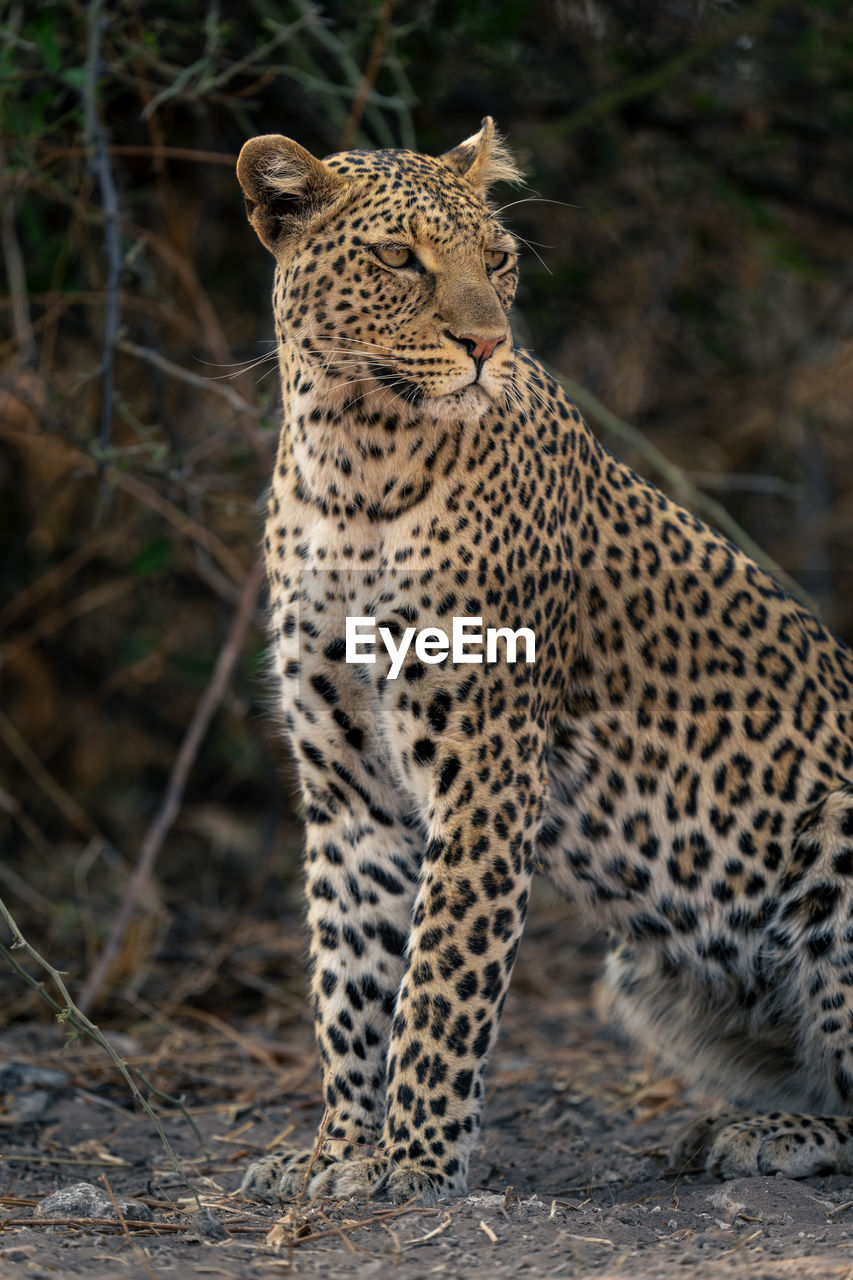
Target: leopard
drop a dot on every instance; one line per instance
(676, 756)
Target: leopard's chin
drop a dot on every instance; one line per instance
(468, 403)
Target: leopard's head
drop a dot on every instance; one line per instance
(395, 276)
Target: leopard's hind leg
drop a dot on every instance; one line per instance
(813, 934)
(797, 1066)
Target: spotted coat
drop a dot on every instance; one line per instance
(676, 759)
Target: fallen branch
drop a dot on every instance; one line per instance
(108, 1226)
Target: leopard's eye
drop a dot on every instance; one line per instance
(495, 259)
(394, 255)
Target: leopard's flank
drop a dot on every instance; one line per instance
(677, 759)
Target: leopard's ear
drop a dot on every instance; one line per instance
(286, 188)
(483, 159)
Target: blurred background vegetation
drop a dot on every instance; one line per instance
(690, 219)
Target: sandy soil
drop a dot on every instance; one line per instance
(569, 1177)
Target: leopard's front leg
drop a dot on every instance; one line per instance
(467, 924)
(362, 867)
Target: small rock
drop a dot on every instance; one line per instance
(208, 1225)
(83, 1200)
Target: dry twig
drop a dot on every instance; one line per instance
(108, 1226)
(77, 607)
(60, 572)
(132, 485)
(387, 1216)
(633, 88)
(236, 401)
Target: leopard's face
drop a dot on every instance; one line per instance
(383, 302)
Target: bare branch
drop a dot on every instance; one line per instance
(368, 80)
(236, 401)
(78, 606)
(14, 261)
(170, 807)
(61, 572)
(226, 158)
(129, 484)
(743, 21)
(97, 144)
(66, 803)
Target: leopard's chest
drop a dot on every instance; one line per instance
(345, 612)
(324, 628)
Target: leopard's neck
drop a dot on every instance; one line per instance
(359, 448)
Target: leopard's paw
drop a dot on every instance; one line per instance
(377, 1178)
(281, 1176)
(690, 1147)
(364, 1177)
(796, 1146)
(407, 1182)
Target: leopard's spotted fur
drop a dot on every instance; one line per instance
(677, 759)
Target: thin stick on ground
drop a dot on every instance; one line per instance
(276, 1237)
(170, 807)
(105, 1226)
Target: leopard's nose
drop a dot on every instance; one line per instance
(478, 347)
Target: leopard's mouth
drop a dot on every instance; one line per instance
(474, 387)
(472, 397)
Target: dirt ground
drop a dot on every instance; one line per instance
(569, 1177)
